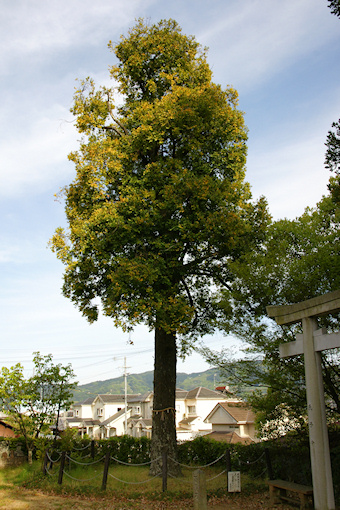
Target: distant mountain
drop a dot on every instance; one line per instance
(142, 383)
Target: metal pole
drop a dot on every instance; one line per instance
(125, 397)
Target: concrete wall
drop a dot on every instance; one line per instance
(9, 457)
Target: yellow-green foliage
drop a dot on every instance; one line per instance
(159, 205)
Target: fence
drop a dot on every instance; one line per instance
(65, 461)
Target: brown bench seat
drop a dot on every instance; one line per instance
(280, 490)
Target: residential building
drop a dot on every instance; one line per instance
(191, 409)
(6, 430)
(232, 422)
(104, 416)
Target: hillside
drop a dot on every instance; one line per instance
(142, 383)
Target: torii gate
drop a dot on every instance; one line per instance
(311, 343)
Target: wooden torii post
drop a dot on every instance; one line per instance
(311, 343)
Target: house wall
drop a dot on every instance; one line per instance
(180, 410)
(221, 416)
(6, 431)
(85, 411)
(222, 427)
(203, 408)
(247, 430)
(109, 409)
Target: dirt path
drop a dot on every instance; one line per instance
(15, 498)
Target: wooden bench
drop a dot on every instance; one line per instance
(280, 490)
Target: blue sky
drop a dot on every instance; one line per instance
(281, 56)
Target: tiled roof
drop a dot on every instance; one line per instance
(85, 402)
(229, 437)
(145, 422)
(240, 413)
(204, 393)
(186, 421)
(109, 399)
(115, 416)
(86, 421)
(181, 393)
(75, 419)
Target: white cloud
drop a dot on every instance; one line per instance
(37, 158)
(37, 29)
(290, 177)
(253, 40)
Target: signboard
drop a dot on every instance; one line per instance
(234, 481)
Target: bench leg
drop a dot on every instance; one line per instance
(304, 502)
(274, 495)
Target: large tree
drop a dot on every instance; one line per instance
(33, 404)
(159, 204)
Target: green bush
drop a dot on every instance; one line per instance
(290, 457)
(201, 451)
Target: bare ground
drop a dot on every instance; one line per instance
(12, 497)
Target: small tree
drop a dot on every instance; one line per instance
(332, 160)
(33, 404)
(159, 204)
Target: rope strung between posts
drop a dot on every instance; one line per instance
(81, 449)
(134, 483)
(84, 463)
(197, 467)
(131, 464)
(216, 476)
(261, 475)
(51, 460)
(48, 472)
(248, 463)
(163, 411)
(189, 482)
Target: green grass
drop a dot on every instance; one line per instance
(87, 480)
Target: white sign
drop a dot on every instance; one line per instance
(234, 481)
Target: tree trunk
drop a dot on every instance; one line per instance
(163, 415)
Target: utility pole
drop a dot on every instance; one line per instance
(125, 394)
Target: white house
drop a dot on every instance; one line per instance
(191, 409)
(101, 416)
(104, 416)
(232, 423)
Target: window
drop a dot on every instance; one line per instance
(99, 412)
(192, 409)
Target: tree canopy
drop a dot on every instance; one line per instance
(332, 160)
(334, 6)
(298, 260)
(159, 204)
(159, 199)
(32, 404)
